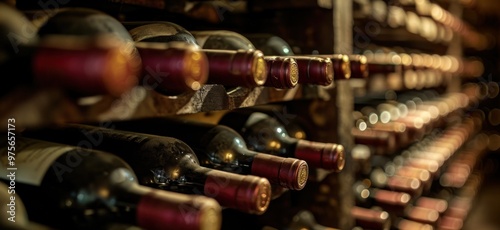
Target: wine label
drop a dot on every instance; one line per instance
(32, 159)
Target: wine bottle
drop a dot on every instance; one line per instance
(222, 148)
(391, 201)
(69, 187)
(168, 69)
(341, 65)
(167, 163)
(359, 66)
(423, 175)
(281, 72)
(230, 66)
(382, 142)
(265, 134)
(270, 44)
(404, 224)
(83, 66)
(312, 70)
(405, 128)
(395, 203)
(371, 218)
(380, 179)
(172, 69)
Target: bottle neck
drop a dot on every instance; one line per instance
(265, 134)
(261, 132)
(249, 194)
(245, 68)
(225, 149)
(156, 208)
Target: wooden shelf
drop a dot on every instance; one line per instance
(39, 107)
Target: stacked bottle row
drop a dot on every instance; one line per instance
(390, 126)
(171, 60)
(160, 55)
(393, 71)
(397, 14)
(409, 175)
(89, 187)
(424, 18)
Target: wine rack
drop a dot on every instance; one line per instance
(419, 52)
(41, 107)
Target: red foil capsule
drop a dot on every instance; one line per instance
(405, 184)
(287, 172)
(403, 224)
(159, 208)
(359, 66)
(341, 66)
(314, 70)
(245, 68)
(250, 194)
(172, 69)
(432, 203)
(376, 138)
(88, 67)
(423, 215)
(321, 155)
(450, 223)
(283, 72)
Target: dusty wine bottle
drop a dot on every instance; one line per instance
(86, 66)
(265, 134)
(82, 66)
(168, 69)
(69, 187)
(222, 148)
(166, 163)
(240, 67)
(227, 67)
